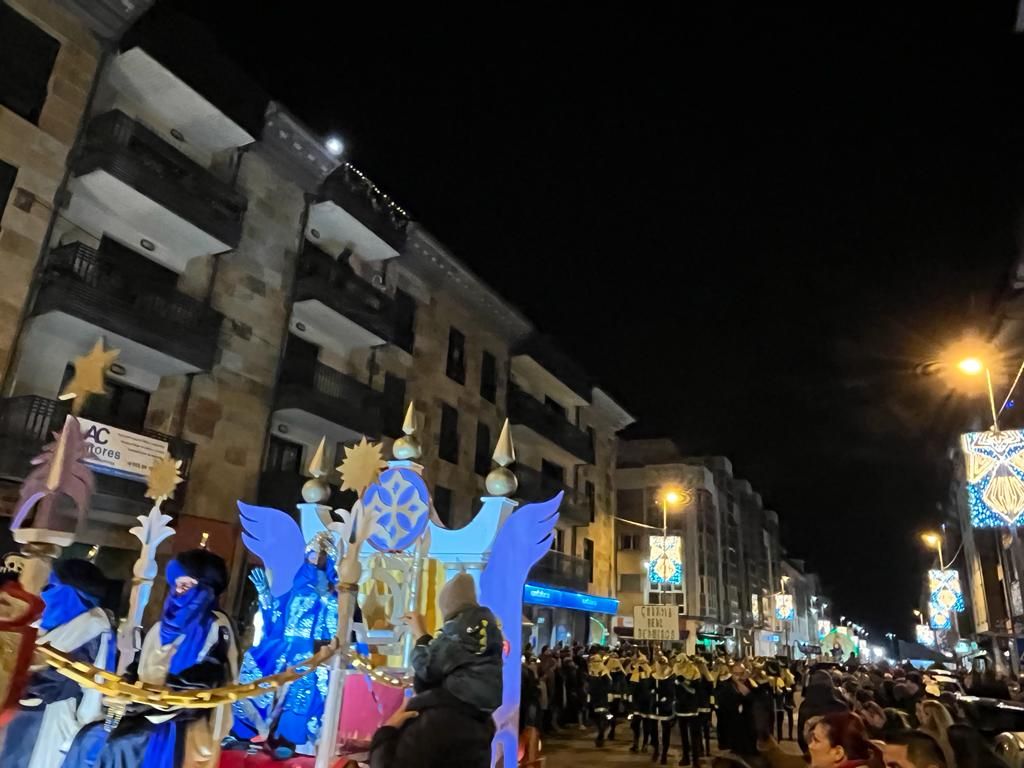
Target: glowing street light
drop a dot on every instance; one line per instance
(971, 366)
(334, 145)
(934, 541)
(919, 615)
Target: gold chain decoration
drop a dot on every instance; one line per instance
(115, 687)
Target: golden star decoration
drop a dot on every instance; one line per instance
(90, 373)
(361, 466)
(163, 478)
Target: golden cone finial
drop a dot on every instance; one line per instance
(407, 446)
(409, 425)
(318, 464)
(500, 481)
(504, 451)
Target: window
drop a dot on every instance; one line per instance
(589, 491)
(405, 320)
(443, 503)
(123, 406)
(394, 404)
(282, 456)
(26, 61)
(449, 445)
(553, 473)
(554, 406)
(588, 555)
(559, 542)
(456, 366)
(489, 378)
(629, 542)
(631, 582)
(482, 459)
(7, 175)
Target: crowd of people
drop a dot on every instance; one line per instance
(835, 715)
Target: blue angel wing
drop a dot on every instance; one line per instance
(523, 540)
(275, 538)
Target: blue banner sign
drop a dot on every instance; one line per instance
(536, 594)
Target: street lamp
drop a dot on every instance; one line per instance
(920, 616)
(934, 540)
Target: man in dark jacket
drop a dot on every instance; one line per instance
(820, 698)
(434, 730)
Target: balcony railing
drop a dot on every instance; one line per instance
(335, 284)
(529, 412)
(28, 422)
(556, 569)
(109, 288)
(316, 388)
(130, 152)
(360, 197)
(536, 486)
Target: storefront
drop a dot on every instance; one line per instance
(564, 616)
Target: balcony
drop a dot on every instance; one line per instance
(320, 399)
(338, 308)
(115, 289)
(548, 423)
(556, 569)
(132, 184)
(538, 356)
(352, 212)
(536, 486)
(29, 421)
(283, 490)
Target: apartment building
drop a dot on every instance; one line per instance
(262, 293)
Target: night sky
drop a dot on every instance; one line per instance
(751, 229)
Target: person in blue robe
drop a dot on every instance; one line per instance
(53, 708)
(191, 647)
(295, 626)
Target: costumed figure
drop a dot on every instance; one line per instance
(641, 694)
(705, 701)
(788, 700)
(19, 611)
(53, 708)
(295, 626)
(599, 686)
(618, 695)
(687, 681)
(191, 647)
(663, 710)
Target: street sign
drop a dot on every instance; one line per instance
(655, 622)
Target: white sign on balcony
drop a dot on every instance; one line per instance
(114, 451)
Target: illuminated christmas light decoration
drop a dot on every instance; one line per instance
(995, 476)
(784, 610)
(824, 627)
(945, 598)
(925, 635)
(666, 561)
(755, 608)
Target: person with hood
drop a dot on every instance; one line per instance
(458, 686)
(687, 679)
(641, 695)
(191, 647)
(599, 688)
(820, 698)
(734, 697)
(295, 626)
(53, 708)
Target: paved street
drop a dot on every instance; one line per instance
(578, 748)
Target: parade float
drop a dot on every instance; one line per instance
(391, 555)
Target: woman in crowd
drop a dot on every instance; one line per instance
(838, 740)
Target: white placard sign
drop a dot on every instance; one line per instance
(114, 451)
(655, 622)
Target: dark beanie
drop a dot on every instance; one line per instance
(83, 576)
(205, 567)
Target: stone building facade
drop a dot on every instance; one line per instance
(263, 294)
